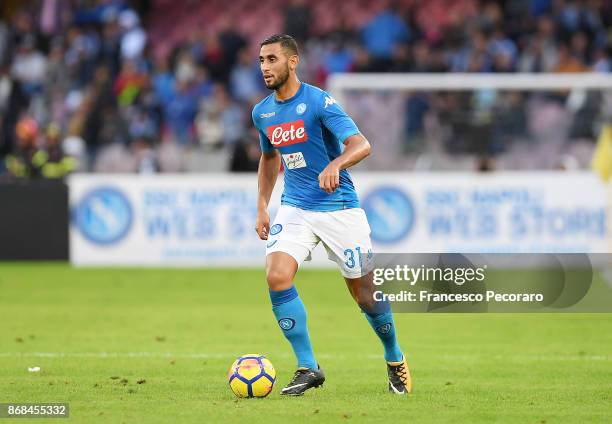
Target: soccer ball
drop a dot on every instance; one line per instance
(251, 375)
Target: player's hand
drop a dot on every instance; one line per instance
(262, 225)
(329, 179)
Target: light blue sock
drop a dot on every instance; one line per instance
(384, 327)
(291, 317)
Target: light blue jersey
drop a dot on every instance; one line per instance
(308, 130)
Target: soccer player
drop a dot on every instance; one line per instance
(303, 126)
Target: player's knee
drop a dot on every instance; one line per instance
(279, 279)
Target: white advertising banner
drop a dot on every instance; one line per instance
(208, 220)
(166, 220)
(539, 212)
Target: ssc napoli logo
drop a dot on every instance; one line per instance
(104, 216)
(390, 213)
(384, 329)
(286, 323)
(301, 108)
(276, 228)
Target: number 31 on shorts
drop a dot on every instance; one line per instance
(349, 256)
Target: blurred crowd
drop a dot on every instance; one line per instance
(167, 86)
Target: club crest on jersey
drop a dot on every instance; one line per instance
(294, 160)
(287, 133)
(301, 108)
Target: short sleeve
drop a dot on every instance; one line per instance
(264, 142)
(335, 119)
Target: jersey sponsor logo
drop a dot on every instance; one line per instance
(294, 160)
(301, 108)
(267, 115)
(329, 101)
(287, 133)
(286, 323)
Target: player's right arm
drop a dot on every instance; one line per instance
(269, 164)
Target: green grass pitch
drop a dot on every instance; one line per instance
(134, 345)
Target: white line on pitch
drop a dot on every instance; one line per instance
(170, 355)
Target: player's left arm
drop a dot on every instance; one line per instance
(356, 148)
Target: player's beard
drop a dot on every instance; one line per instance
(280, 80)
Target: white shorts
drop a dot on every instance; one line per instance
(344, 233)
